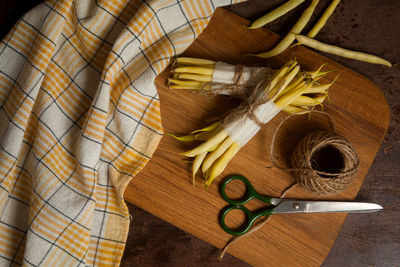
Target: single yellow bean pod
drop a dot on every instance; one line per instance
(324, 18)
(196, 165)
(276, 13)
(209, 70)
(331, 49)
(193, 77)
(193, 61)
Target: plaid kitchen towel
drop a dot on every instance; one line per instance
(79, 117)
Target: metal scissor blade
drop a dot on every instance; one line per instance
(300, 206)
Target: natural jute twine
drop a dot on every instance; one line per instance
(307, 177)
(320, 182)
(316, 181)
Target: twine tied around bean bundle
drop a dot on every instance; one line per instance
(239, 87)
(305, 168)
(258, 97)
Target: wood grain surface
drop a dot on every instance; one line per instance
(164, 187)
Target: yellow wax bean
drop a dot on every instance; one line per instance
(203, 136)
(305, 17)
(321, 22)
(219, 166)
(285, 82)
(208, 128)
(276, 13)
(194, 61)
(196, 165)
(320, 75)
(194, 77)
(297, 84)
(290, 96)
(304, 101)
(186, 87)
(331, 49)
(185, 83)
(297, 28)
(207, 145)
(293, 109)
(193, 137)
(318, 89)
(195, 70)
(282, 46)
(186, 138)
(320, 99)
(317, 72)
(211, 157)
(278, 76)
(323, 88)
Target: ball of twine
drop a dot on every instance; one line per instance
(307, 174)
(322, 182)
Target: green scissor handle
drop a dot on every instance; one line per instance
(251, 217)
(251, 193)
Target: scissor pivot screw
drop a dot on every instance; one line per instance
(296, 206)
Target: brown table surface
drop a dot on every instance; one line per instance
(365, 25)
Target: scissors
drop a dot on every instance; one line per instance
(279, 206)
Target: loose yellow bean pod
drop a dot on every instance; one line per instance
(321, 22)
(331, 49)
(276, 13)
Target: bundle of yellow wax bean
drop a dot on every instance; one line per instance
(213, 77)
(287, 89)
(222, 78)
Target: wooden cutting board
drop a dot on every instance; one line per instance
(164, 186)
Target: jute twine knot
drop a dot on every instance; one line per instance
(258, 97)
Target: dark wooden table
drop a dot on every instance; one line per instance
(365, 25)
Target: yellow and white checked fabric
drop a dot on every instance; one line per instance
(79, 117)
